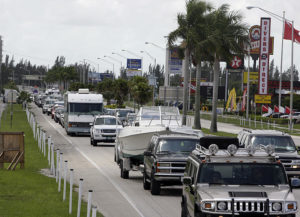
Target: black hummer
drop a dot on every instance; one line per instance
(165, 160)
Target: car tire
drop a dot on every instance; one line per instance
(154, 186)
(124, 173)
(146, 184)
(184, 212)
(94, 143)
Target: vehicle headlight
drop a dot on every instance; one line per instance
(276, 206)
(159, 164)
(208, 205)
(97, 131)
(222, 206)
(290, 206)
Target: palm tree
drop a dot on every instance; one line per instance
(189, 25)
(226, 36)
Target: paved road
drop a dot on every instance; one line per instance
(112, 195)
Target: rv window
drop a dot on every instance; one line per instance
(85, 108)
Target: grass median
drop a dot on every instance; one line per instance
(26, 192)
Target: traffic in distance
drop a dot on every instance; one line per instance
(253, 174)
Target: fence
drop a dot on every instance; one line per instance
(59, 167)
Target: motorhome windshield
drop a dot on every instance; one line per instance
(86, 108)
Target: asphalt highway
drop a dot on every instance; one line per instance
(112, 195)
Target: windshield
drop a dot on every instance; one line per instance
(106, 121)
(281, 143)
(122, 113)
(176, 146)
(86, 108)
(242, 174)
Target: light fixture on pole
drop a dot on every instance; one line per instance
(109, 63)
(119, 61)
(155, 45)
(119, 55)
(153, 58)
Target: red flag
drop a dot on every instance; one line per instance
(276, 109)
(264, 108)
(287, 110)
(288, 32)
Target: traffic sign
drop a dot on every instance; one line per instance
(262, 99)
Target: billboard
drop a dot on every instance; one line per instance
(265, 28)
(134, 63)
(254, 33)
(253, 77)
(175, 63)
(133, 72)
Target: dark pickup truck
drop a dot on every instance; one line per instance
(165, 160)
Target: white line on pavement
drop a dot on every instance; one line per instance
(100, 170)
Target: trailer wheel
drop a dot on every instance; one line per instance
(124, 173)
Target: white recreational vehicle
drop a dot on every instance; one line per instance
(80, 109)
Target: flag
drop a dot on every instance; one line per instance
(287, 110)
(281, 109)
(270, 111)
(264, 108)
(276, 109)
(288, 32)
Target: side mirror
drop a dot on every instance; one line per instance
(147, 153)
(187, 180)
(137, 124)
(295, 182)
(298, 148)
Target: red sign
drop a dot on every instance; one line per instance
(265, 24)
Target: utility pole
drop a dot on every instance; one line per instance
(1, 80)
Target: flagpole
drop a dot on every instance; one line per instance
(280, 77)
(292, 77)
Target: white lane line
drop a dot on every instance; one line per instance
(100, 170)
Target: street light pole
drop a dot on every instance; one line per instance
(109, 63)
(114, 60)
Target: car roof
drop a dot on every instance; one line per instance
(177, 136)
(105, 116)
(265, 132)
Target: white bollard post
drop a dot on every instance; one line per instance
(79, 197)
(94, 211)
(89, 205)
(71, 191)
(249, 122)
(60, 171)
(65, 180)
(57, 165)
(49, 147)
(52, 164)
(274, 125)
(240, 121)
(44, 144)
(255, 122)
(261, 124)
(268, 124)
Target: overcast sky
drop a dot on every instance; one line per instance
(40, 30)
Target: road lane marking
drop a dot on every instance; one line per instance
(100, 170)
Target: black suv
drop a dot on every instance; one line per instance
(285, 148)
(165, 160)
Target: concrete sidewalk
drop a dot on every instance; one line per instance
(228, 128)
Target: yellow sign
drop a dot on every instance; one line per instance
(253, 77)
(231, 100)
(262, 99)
